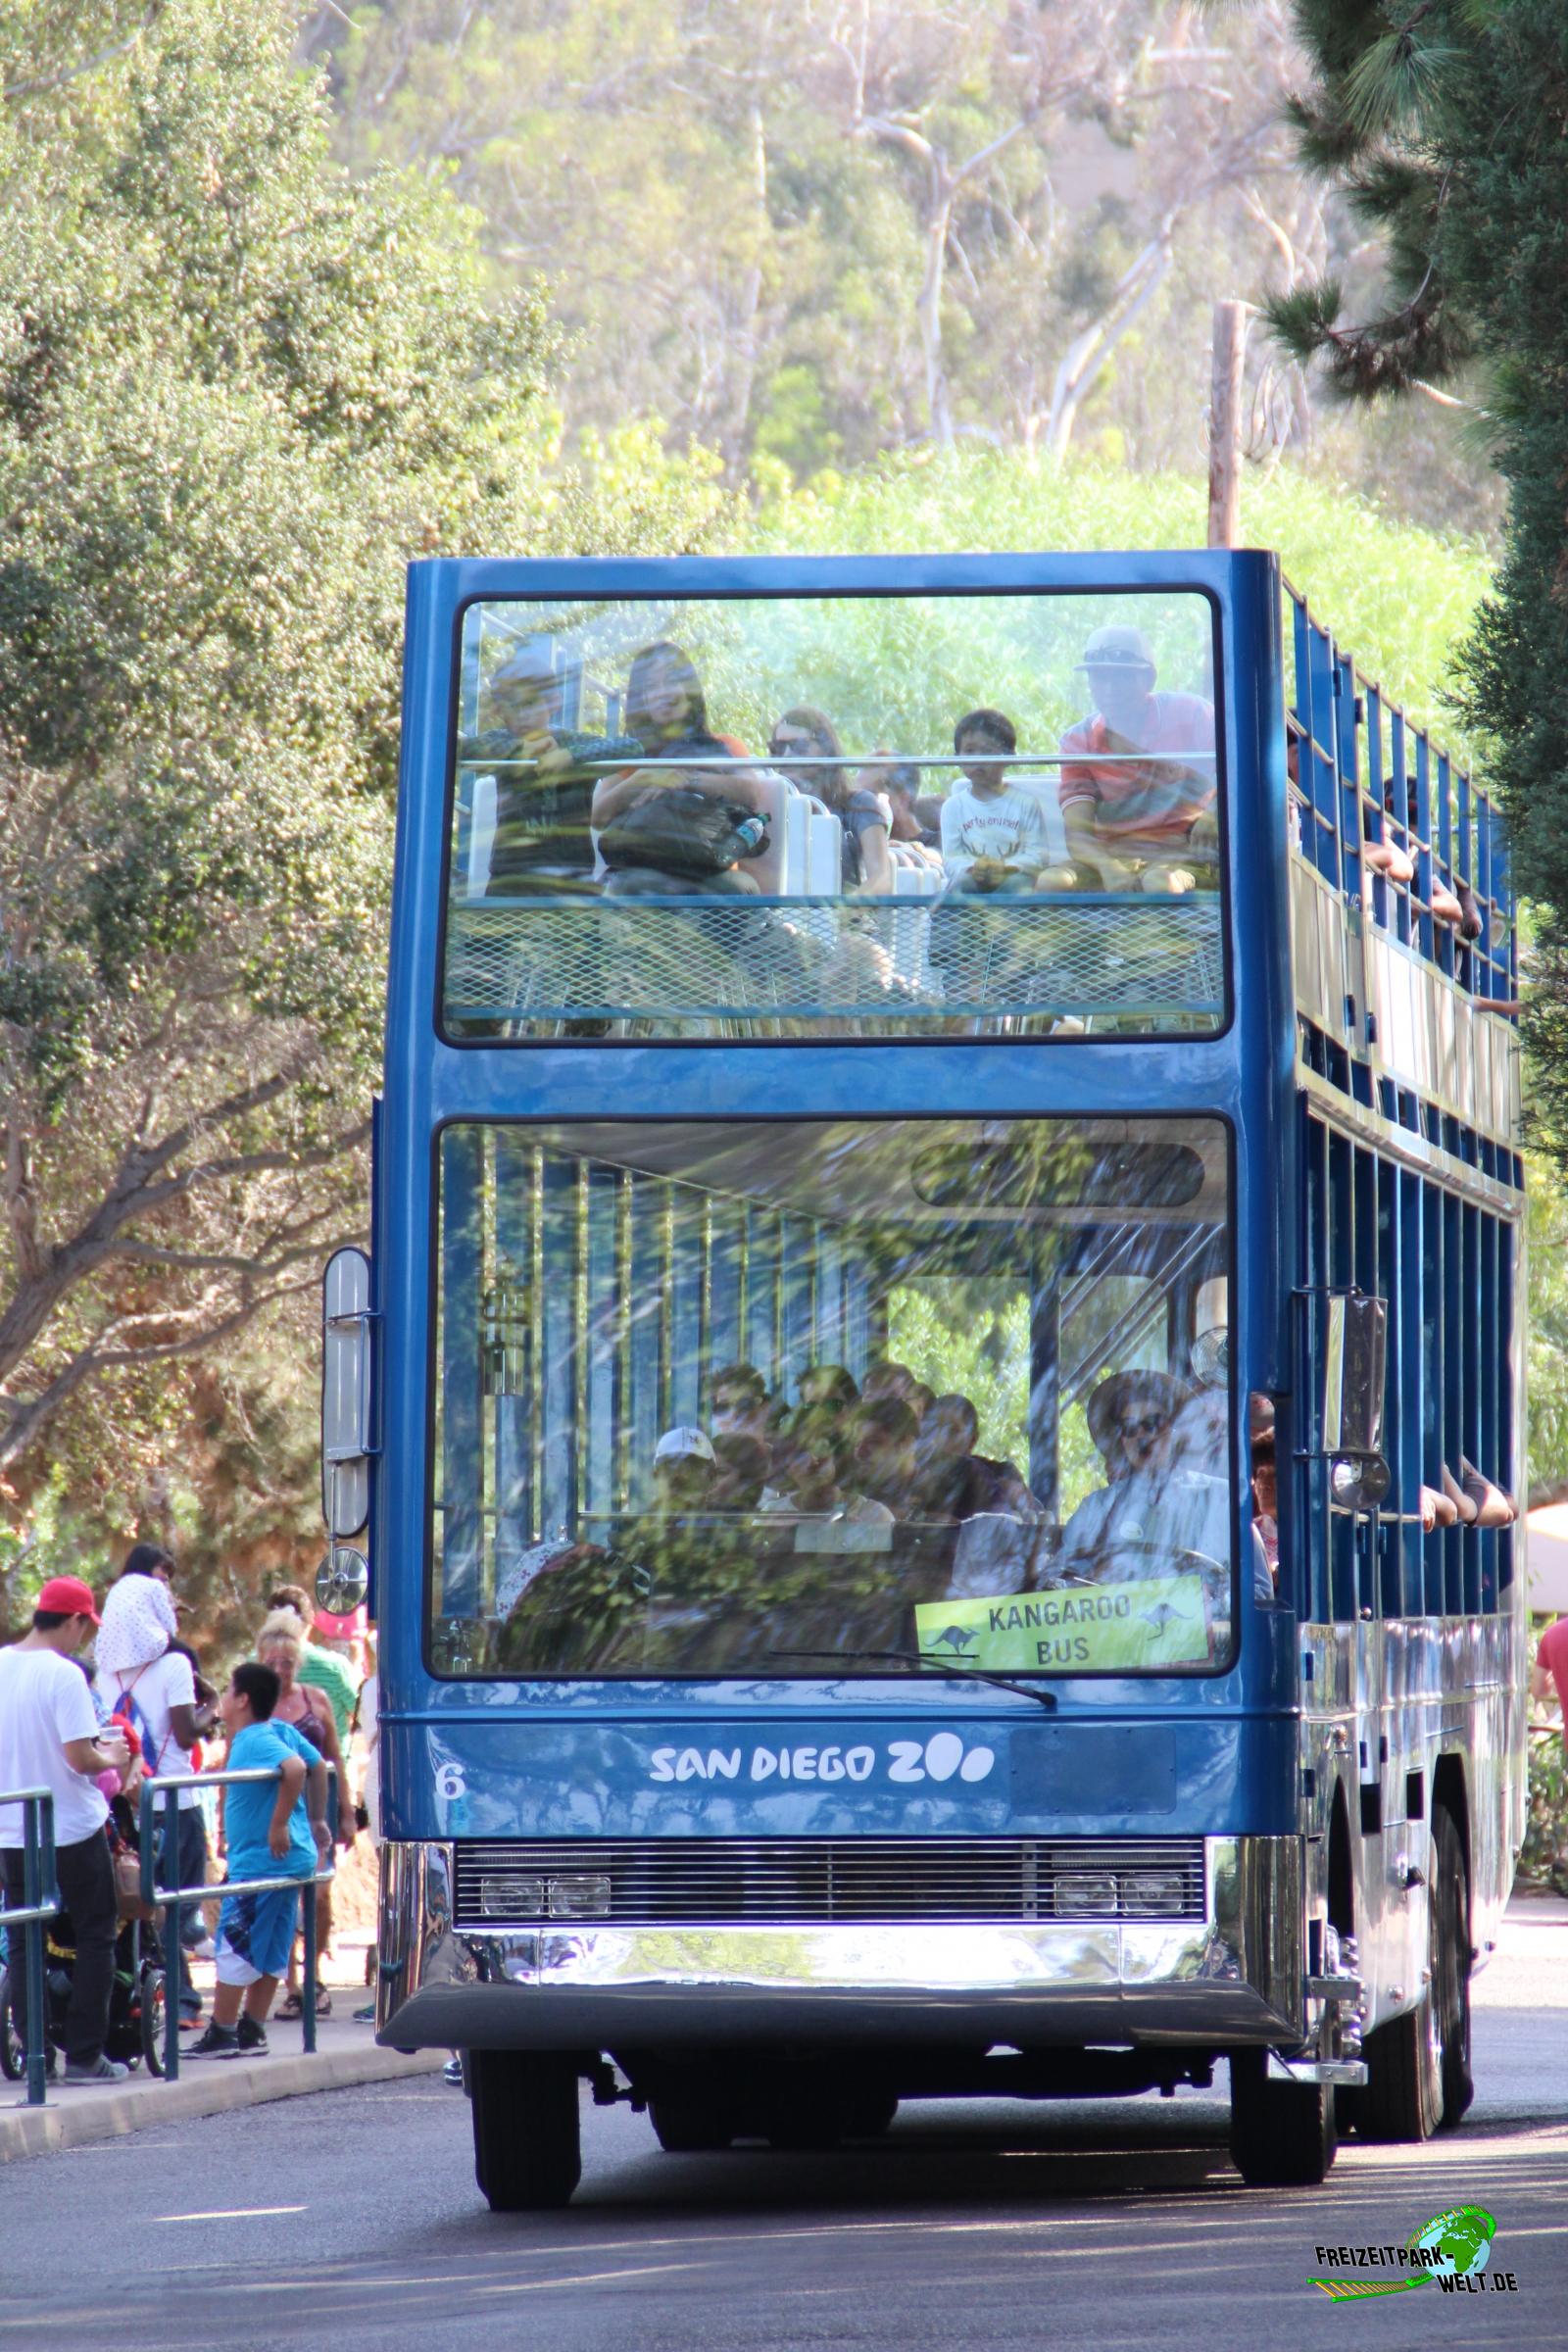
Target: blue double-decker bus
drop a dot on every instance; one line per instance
(935, 1409)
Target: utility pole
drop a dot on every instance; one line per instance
(1225, 427)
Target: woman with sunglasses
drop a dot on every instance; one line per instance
(807, 736)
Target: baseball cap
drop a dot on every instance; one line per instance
(676, 1444)
(1117, 648)
(68, 1596)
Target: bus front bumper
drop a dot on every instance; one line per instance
(1237, 1975)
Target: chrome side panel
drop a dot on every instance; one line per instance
(1237, 1975)
(1438, 1700)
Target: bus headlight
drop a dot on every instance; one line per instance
(1154, 1895)
(1085, 1895)
(579, 1896)
(512, 1897)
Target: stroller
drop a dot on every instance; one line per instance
(136, 2000)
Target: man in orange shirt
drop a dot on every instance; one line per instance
(1136, 822)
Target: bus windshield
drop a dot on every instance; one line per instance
(766, 1397)
(845, 815)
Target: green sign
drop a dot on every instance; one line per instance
(1086, 1629)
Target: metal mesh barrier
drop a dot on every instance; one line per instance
(738, 967)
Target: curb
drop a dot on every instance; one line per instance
(216, 2089)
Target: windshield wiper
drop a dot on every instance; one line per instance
(936, 1666)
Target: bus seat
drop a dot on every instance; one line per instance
(481, 836)
(824, 860)
(797, 826)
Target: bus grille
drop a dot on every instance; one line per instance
(733, 1881)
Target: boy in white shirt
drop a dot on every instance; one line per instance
(49, 1738)
(993, 834)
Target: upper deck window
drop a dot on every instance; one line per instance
(873, 815)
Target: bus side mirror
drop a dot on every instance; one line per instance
(346, 1318)
(1352, 1401)
(342, 1581)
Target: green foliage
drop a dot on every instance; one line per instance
(1445, 127)
(1398, 597)
(237, 392)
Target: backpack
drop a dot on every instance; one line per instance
(130, 1709)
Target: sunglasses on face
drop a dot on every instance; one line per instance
(783, 746)
(1141, 1429)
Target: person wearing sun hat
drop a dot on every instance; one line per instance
(1138, 776)
(1120, 1530)
(49, 1738)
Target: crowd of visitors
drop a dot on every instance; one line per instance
(91, 1730)
(867, 1465)
(666, 805)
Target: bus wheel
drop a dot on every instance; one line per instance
(1451, 1887)
(690, 2126)
(1403, 2097)
(1283, 2134)
(1407, 2061)
(527, 2148)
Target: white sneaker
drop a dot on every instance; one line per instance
(102, 2069)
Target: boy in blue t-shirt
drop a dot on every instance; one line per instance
(272, 1829)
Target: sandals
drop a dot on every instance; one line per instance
(292, 2005)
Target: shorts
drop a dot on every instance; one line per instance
(256, 1935)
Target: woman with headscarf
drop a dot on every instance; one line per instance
(139, 1616)
(150, 1682)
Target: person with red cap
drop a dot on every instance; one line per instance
(49, 1738)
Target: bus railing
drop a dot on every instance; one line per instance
(176, 1899)
(38, 1873)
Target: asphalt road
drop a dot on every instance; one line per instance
(351, 2222)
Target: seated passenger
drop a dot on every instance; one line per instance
(953, 1481)
(814, 1472)
(885, 1378)
(913, 820)
(992, 832)
(1137, 824)
(827, 1383)
(1119, 1532)
(883, 1431)
(684, 1465)
(683, 848)
(741, 1405)
(742, 1466)
(805, 734)
(1266, 1500)
(544, 776)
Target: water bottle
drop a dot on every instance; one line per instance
(751, 835)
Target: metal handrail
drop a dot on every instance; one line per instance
(175, 1899)
(38, 1872)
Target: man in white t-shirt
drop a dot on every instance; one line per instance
(993, 834)
(159, 1699)
(49, 1738)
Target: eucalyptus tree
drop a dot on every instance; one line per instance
(237, 391)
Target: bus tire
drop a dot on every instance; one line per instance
(1283, 2134)
(1451, 1888)
(690, 2126)
(1401, 2101)
(527, 2139)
